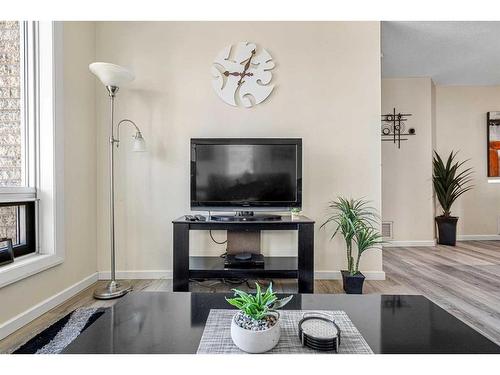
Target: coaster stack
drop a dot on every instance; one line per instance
(319, 332)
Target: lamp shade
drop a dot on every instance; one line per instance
(111, 74)
(139, 144)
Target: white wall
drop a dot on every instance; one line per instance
(407, 193)
(79, 180)
(328, 93)
(461, 126)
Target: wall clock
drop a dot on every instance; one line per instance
(241, 74)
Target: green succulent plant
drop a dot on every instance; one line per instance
(257, 305)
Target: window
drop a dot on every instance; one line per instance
(11, 163)
(17, 135)
(18, 224)
(31, 146)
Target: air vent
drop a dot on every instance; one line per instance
(387, 230)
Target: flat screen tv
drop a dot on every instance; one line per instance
(246, 174)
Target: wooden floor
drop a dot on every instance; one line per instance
(464, 280)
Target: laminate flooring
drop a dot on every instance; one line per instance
(464, 280)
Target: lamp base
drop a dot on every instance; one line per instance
(114, 289)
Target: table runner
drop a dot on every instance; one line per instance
(216, 338)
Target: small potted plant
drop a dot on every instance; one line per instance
(256, 327)
(295, 212)
(357, 222)
(449, 183)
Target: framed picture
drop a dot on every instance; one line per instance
(493, 120)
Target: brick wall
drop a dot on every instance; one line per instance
(10, 124)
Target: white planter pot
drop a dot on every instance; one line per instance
(255, 341)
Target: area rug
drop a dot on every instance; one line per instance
(216, 337)
(59, 335)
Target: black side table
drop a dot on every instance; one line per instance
(300, 267)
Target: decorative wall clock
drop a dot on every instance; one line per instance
(241, 74)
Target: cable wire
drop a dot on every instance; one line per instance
(211, 236)
(213, 239)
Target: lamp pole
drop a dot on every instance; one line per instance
(114, 289)
(112, 77)
(112, 92)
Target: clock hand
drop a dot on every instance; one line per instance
(247, 65)
(226, 73)
(236, 74)
(244, 73)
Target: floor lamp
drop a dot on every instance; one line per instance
(113, 77)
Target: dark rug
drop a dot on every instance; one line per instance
(55, 338)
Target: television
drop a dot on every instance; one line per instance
(246, 174)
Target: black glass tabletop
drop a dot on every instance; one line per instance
(163, 322)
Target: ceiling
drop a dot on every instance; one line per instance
(451, 53)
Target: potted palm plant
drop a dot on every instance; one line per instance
(450, 182)
(356, 221)
(256, 327)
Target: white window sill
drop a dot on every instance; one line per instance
(495, 180)
(26, 266)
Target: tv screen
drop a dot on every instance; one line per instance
(242, 173)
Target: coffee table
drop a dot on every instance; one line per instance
(173, 322)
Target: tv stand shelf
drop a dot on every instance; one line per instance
(300, 267)
(201, 267)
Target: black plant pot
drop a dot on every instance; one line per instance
(353, 284)
(447, 230)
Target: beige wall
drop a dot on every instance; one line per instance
(79, 180)
(461, 126)
(459, 115)
(407, 194)
(328, 93)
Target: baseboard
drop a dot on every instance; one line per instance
(138, 274)
(410, 243)
(463, 237)
(478, 237)
(336, 275)
(41, 308)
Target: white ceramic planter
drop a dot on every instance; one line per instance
(255, 341)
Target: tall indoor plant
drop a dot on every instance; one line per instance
(357, 222)
(450, 181)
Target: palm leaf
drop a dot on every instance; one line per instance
(349, 217)
(449, 181)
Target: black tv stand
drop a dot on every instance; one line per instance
(246, 216)
(299, 267)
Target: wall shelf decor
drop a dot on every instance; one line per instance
(393, 127)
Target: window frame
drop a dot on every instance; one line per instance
(43, 115)
(28, 245)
